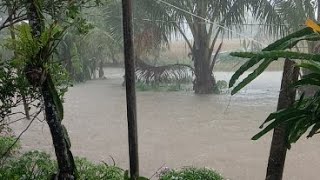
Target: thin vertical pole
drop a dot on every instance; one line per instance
(318, 10)
(130, 88)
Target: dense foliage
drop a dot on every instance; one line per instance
(192, 174)
(35, 165)
(7, 143)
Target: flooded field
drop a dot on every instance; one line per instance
(177, 129)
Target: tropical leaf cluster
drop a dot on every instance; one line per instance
(304, 114)
(8, 86)
(15, 86)
(273, 52)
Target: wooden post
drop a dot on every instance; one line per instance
(130, 88)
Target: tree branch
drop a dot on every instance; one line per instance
(14, 20)
(4, 155)
(184, 36)
(214, 41)
(214, 60)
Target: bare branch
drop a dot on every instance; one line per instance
(214, 60)
(4, 155)
(14, 20)
(184, 36)
(214, 41)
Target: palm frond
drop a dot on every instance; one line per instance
(270, 54)
(302, 116)
(163, 74)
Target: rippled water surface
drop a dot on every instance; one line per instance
(177, 129)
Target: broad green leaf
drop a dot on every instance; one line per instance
(279, 114)
(276, 123)
(299, 102)
(305, 82)
(249, 64)
(297, 130)
(278, 54)
(263, 66)
(313, 75)
(310, 66)
(281, 44)
(301, 33)
(293, 42)
(314, 130)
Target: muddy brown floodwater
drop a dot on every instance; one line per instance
(177, 129)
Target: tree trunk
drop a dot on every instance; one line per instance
(204, 81)
(101, 72)
(25, 106)
(62, 148)
(278, 149)
(58, 132)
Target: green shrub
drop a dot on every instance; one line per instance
(37, 165)
(89, 171)
(6, 143)
(31, 165)
(191, 173)
(222, 84)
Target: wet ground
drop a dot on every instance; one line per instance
(177, 129)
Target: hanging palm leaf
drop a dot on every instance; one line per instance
(270, 54)
(163, 74)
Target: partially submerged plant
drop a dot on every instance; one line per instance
(180, 73)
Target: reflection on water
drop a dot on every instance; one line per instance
(176, 128)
